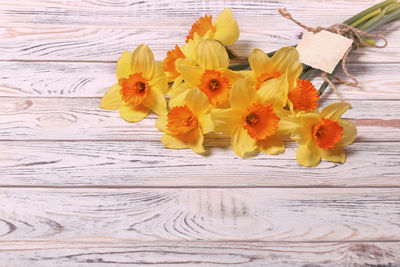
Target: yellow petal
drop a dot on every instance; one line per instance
(133, 113)
(286, 124)
(197, 144)
(242, 95)
(193, 139)
(197, 102)
(171, 141)
(161, 123)
(206, 123)
(176, 86)
(178, 99)
(227, 29)
(225, 120)
(191, 74)
(286, 61)
(308, 155)
(335, 154)
(189, 49)
(303, 132)
(293, 72)
(211, 54)
(159, 79)
(334, 111)
(260, 62)
(155, 100)
(349, 132)
(242, 143)
(112, 98)
(233, 76)
(250, 77)
(284, 58)
(143, 61)
(124, 65)
(247, 74)
(274, 91)
(272, 145)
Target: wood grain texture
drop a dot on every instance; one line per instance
(132, 13)
(82, 119)
(141, 163)
(80, 187)
(255, 214)
(78, 79)
(122, 253)
(107, 44)
(98, 31)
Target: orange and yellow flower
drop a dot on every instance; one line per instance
(275, 76)
(186, 122)
(211, 75)
(303, 97)
(140, 88)
(323, 135)
(224, 29)
(169, 63)
(252, 122)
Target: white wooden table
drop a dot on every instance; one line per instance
(81, 187)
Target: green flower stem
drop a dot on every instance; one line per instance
(307, 73)
(385, 12)
(366, 17)
(240, 66)
(372, 21)
(369, 10)
(392, 7)
(368, 20)
(324, 85)
(395, 15)
(246, 65)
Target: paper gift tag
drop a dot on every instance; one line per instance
(323, 50)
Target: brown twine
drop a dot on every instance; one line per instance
(343, 29)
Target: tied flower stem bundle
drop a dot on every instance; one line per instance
(259, 104)
(367, 21)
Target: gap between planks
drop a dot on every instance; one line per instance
(115, 61)
(111, 187)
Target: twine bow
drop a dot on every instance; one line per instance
(348, 31)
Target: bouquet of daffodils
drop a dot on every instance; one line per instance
(259, 104)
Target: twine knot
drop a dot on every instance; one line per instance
(348, 31)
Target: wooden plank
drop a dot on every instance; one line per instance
(107, 44)
(129, 13)
(377, 81)
(42, 30)
(254, 214)
(121, 253)
(81, 119)
(149, 164)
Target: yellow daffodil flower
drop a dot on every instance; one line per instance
(140, 88)
(275, 75)
(169, 63)
(323, 135)
(187, 52)
(186, 122)
(211, 75)
(224, 29)
(252, 122)
(303, 97)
